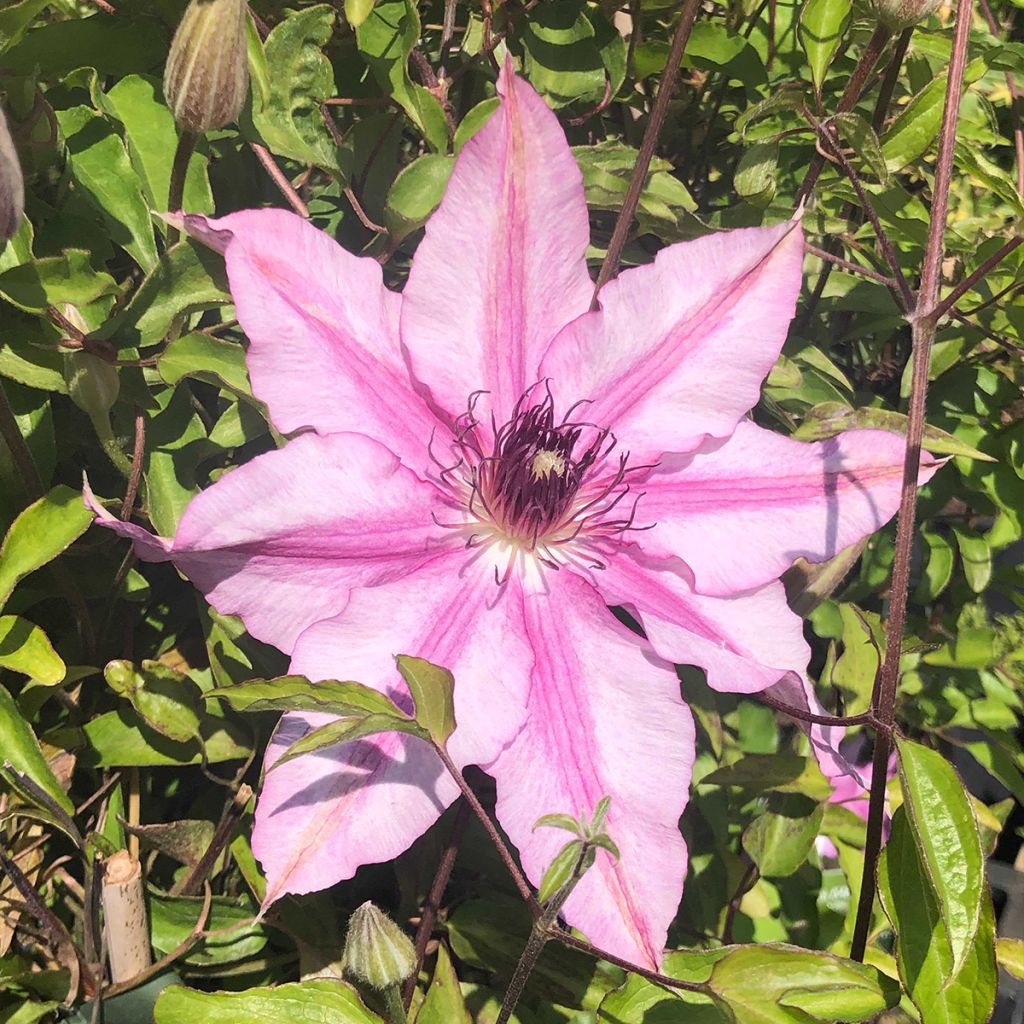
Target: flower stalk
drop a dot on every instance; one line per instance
(923, 326)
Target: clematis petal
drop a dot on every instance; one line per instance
(745, 643)
(282, 540)
(501, 267)
(740, 512)
(322, 329)
(321, 816)
(605, 719)
(680, 346)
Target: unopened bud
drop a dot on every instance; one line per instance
(377, 952)
(896, 15)
(93, 385)
(12, 184)
(207, 73)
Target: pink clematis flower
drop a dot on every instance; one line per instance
(487, 467)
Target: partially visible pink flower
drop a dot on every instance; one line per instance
(852, 792)
(489, 467)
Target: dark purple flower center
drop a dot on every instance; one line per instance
(545, 485)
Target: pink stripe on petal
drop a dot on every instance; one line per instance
(321, 817)
(740, 512)
(605, 719)
(680, 346)
(744, 643)
(501, 267)
(322, 329)
(282, 540)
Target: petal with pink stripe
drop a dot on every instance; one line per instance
(322, 816)
(739, 512)
(501, 267)
(605, 719)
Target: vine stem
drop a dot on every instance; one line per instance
(851, 94)
(179, 171)
(883, 702)
(624, 222)
(436, 894)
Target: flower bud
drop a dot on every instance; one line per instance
(377, 952)
(896, 15)
(207, 73)
(12, 185)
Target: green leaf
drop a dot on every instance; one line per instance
(210, 359)
(54, 280)
(99, 163)
(416, 193)
(822, 27)
(946, 834)
(976, 556)
(26, 649)
(560, 870)
(917, 127)
(300, 79)
(137, 102)
(236, 934)
(566, 822)
(785, 772)
(862, 138)
(923, 949)
(779, 840)
(188, 278)
(444, 1003)
(166, 700)
(320, 1001)
(357, 11)
(754, 178)
(1010, 954)
(938, 570)
(778, 984)
(184, 841)
(21, 749)
(826, 419)
(15, 18)
(386, 38)
(433, 691)
(345, 730)
(45, 529)
(122, 738)
(296, 693)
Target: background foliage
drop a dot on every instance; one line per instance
(119, 355)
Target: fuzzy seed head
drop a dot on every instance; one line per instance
(896, 15)
(207, 72)
(377, 952)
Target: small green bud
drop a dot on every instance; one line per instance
(93, 386)
(12, 184)
(896, 15)
(377, 952)
(207, 73)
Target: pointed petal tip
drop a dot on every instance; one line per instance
(201, 229)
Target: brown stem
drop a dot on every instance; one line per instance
(883, 701)
(659, 109)
(277, 176)
(179, 171)
(137, 455)
(889, 79)
(809, 716)
(903, 294)
(943, 306)
(853, 268)
(491, 829)
(232, 812)
(851, 94)
(430, 909)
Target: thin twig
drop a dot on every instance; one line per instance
(889, 79)
(883, 700)
(277, 175)
(137, 455)
(430, 909)
(221, 836)
(364, 218)
(904, 296)
(944, 305)
(583, 946)
(851, 94)
(491, 829)
(610, 264)
(853, 268)
(809, 716)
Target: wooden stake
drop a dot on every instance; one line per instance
(124, 917)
